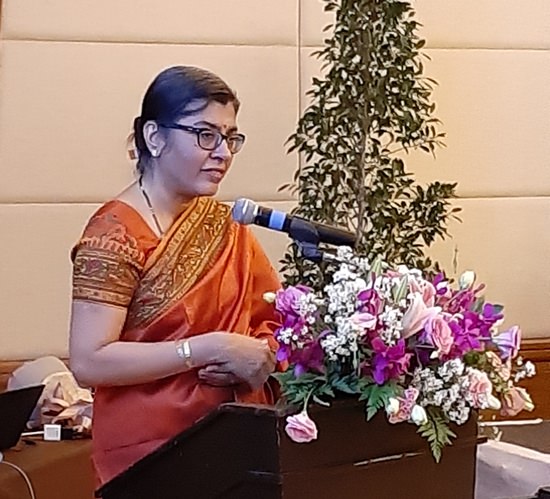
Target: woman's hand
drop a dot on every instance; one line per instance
(216, 375)
(250, 360)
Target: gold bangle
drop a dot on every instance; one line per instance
(183, 349)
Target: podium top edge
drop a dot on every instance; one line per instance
(257, 409)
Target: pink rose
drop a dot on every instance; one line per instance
(425, 288)
(439, 334)
(480, 388)
(416, 315)
(515, 400)
(300, 428)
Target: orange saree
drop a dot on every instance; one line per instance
(206, 274)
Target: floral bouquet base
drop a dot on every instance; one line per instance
(351, 459)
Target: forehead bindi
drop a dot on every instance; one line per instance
(217, 116)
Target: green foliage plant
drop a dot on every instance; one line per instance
(370, 109)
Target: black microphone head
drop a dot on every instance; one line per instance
(244, 211)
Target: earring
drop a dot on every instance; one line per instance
(154, 153)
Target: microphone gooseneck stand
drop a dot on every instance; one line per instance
(306, 237)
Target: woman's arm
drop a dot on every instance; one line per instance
(98, 357)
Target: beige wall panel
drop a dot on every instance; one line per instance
(266, 22)
(459, 23)
(495, 108)
(64, 138)
(507, 242)
(485, 23)
(35, 272)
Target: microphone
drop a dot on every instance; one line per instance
(247, 212)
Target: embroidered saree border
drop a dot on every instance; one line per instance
(187, 251)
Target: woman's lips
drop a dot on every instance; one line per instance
(214, 174)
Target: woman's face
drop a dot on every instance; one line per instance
(186, 168)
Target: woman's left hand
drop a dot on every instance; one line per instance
(216, 375)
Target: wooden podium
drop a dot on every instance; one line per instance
(242, 452)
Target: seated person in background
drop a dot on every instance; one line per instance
(168, 319)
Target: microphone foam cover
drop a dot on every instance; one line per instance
(244, 211)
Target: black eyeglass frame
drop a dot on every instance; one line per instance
(197, 131)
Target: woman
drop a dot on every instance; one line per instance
(168, 319)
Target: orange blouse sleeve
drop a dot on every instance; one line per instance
(107, 262)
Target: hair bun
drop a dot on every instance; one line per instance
(138, 134)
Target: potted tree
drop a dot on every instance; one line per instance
(370, 109)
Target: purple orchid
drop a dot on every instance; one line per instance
(490, 315)
(294, 322)
(298, 327)
(371, 303)
(466, 331)
(389, 362)
(283, 352)
(309, 358)
(508, 342)
(440, 284)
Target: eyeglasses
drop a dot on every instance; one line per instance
(209, 140)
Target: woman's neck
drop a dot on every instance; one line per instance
(165, 205)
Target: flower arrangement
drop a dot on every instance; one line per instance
(418, 349)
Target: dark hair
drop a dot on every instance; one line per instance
(170, 97)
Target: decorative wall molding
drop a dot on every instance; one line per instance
(537, 350)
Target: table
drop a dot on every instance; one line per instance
(57, 470)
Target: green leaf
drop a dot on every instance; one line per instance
(400, 291)
(376, 267)
(436, 430)
(377, 397)
(345, 384)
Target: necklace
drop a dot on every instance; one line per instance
(149, 205)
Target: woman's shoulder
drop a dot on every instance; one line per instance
(117, 227)
(116, 212)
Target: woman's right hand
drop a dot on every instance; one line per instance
(250, 359)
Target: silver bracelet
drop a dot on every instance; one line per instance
(183, 349)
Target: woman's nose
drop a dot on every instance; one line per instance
(222, 151)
